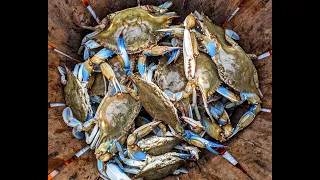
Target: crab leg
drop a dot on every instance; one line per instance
(152, 67)
(232, 34)
(129, 162)
(91, 44)
(98, 58)
(131, 170)
(87, 38)
(101, 169)
(95, 140)
(89, 139)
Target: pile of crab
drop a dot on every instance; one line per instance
(145, 117)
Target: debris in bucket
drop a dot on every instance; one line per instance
(164, 86)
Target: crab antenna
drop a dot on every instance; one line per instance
(66, 163)
(233, 13)
(56, 50)
(85, 2)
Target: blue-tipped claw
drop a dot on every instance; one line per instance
(228, 94)
(88, 46)
(77, 134)
(232, 34)
(105, 53)
(216, 113)
(139, 156)
(208, 144)
(142, 66)
(174, 56)
(219, 106)
(123, 53)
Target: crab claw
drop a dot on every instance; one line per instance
(159, 50)
(62, 72)
(87, 67)
(192, 122)
(101, 169)
(190, 21)
(69, 119)
(91, 44)
(246, 119)
(77, 134)
(194, 151)
(141, 65)
(176, 31)
(196, 140)
(174, 56)
(123, 53)
(141, 132)
(109, 74)
(232, 34)
(136, 153)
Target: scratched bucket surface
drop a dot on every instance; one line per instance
(251, 147)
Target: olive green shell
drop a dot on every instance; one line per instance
(138, 27)
(116, 115)
(235, 67)
(76, 97)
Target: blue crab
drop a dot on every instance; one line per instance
(138, 27)
(235, 67)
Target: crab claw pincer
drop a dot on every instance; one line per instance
(196, 140)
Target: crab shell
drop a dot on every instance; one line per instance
(98, 86)
(160, 166)
(235, 67)
(156, 145)
(116, 115)
(206, 75)
(172, 77)
(77, 97)
(157, 103)
(138, 27)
